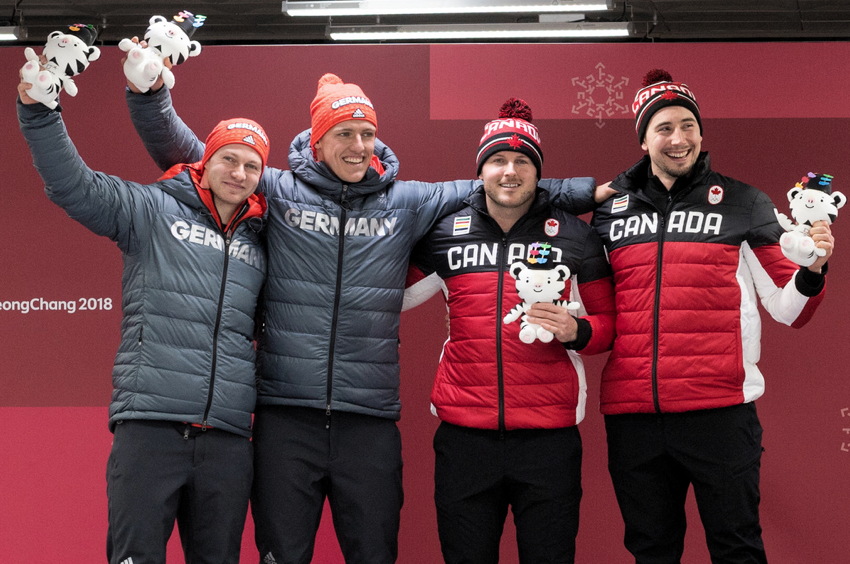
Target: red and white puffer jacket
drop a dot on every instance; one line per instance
(686, 280)
(487, 377)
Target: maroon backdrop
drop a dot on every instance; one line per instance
(771, 112)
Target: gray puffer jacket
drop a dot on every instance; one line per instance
(338, 258)
(189, 294)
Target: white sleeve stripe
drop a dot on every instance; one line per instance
(783, 304)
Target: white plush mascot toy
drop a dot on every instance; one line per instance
(811, 200)
(66, 54)
(165, 40)
(538, 286)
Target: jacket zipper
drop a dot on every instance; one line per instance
(656, 310)
(500, 377)
(343, 216)
(216, 331)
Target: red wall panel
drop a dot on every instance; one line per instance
(771, 112)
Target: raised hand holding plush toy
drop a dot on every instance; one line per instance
(65, 54)
(811, 200)
(164, 39)
(538, 286)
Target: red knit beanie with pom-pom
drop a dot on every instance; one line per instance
(511, 131)
(659, 91)
(336, 102)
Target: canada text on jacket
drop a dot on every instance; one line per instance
(678, 222)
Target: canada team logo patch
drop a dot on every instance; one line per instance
(620, 204)
(538, 253)
(551, 227)
(715, 195)
(462, 225)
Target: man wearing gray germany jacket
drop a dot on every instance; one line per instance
(341, 230)
(184, 376)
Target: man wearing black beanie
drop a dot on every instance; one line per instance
(691, 250)
(510, 388)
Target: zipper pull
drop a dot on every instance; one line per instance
(343, 202)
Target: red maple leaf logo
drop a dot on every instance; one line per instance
(669, 95)
(515, 142)
(716, 191)
(551, 223)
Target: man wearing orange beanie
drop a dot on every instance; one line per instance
(184, 385)
(238, 139)
(341, 230)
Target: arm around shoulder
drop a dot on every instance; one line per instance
(574, 195)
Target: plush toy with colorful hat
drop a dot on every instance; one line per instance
(165, 40)
(534, 285)
(811, 199)
(65, 54)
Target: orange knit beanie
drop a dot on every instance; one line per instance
(336, 102)
(238, 130)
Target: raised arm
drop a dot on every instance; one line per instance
(788, 292)
(104, 204)
(166, 137)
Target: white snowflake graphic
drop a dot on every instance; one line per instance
(600, 95)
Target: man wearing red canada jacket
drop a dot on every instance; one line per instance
(691, 251)
(510, 388)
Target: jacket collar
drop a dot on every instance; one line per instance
(179, 188)
(477, 200)
(636, 178)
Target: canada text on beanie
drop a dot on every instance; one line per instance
(659, 91)
(336, 102)
(238, 130)
(511, 131)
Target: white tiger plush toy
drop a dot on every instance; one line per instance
(165, 40)
(538, 286)
(66, 55)
(810, 200)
